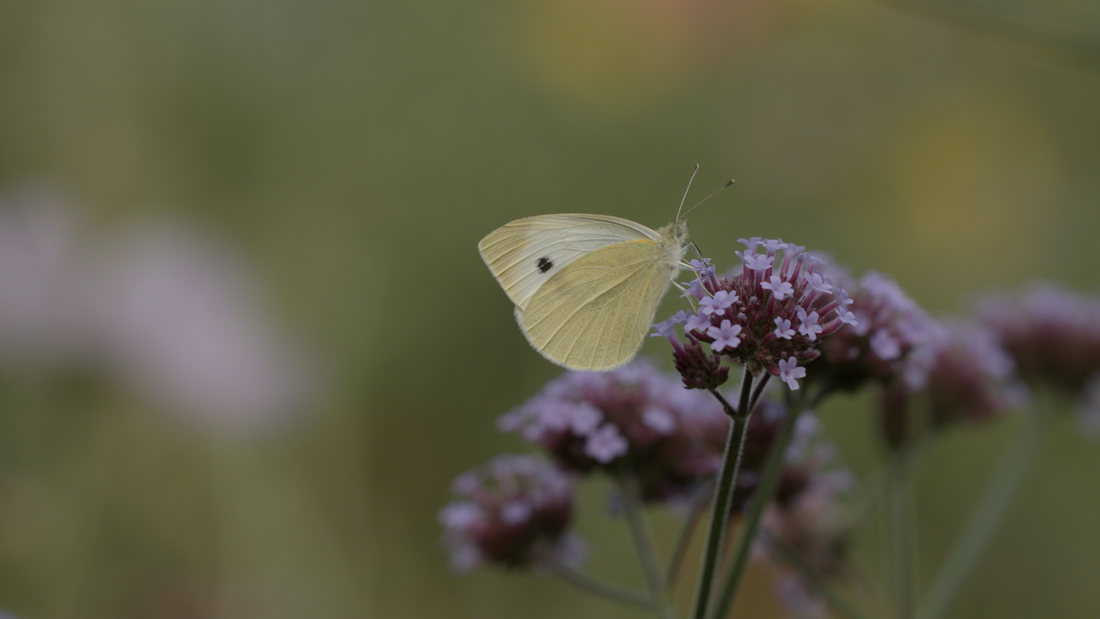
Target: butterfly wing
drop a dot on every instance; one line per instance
(526, 253)
(594, 314)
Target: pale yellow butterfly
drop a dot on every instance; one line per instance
(586, 287)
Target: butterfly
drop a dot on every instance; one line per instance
(586, 287)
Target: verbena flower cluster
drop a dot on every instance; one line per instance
(638, 423)
(786, 313)
(888, 327)
(633, 420)
(514, 511)
(1053, 335)
(968, 376)
(769, 315)
(964, 376)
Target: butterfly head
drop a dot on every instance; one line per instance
(674, 240)
(680, 232)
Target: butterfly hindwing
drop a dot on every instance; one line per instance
(594, 314)
(527, 253)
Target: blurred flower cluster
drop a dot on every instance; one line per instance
(159, 307)
(1053, 336)
(810, 518)
(632, 421)
(514, 511)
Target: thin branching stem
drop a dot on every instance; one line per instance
(598, 587)
(756, 393)
(765, 490)
(901, 560)
(632, 506)
(719, 517)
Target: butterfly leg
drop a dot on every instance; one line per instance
(691, 299)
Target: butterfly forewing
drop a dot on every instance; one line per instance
(527, 253)
(594, 315)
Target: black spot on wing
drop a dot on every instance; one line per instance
(544, 264)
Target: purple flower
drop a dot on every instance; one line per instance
(773, 245)
(846, 317)
(668, 327)
(605, 444)
(818, 283)
(778, 287)
(717, 303)
(695, 289)
(756, 262)
(724, 336)
(585, 419)
(789, 371)
(660, 420)
(886, 346)
(703, 267)
(697, 322)
(808, 324)
(514, 512)
(783, 328)
(750, 244)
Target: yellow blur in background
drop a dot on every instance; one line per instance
(246, 339)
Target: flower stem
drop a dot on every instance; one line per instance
(840, 604)
(986, 517)
(898, 508)
(600, 588)
(719, 517)
(765, 490)
(632, 506)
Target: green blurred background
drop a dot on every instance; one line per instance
(347, 156)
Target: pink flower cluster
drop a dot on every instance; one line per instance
(888, 327)
(633, 419)
(770, 315)
(515, 511)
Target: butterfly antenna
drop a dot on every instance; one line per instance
(693, 172)
(706, 198)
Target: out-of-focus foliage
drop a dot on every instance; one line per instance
(298, 188)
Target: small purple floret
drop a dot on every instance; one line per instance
(605, 444)
(789, 371)
(724, 336)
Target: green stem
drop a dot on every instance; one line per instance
(769, 483)
(600, 588)
(809, 575)
(632, 505)
(986, 517)
(901, 560)
(719, 517)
